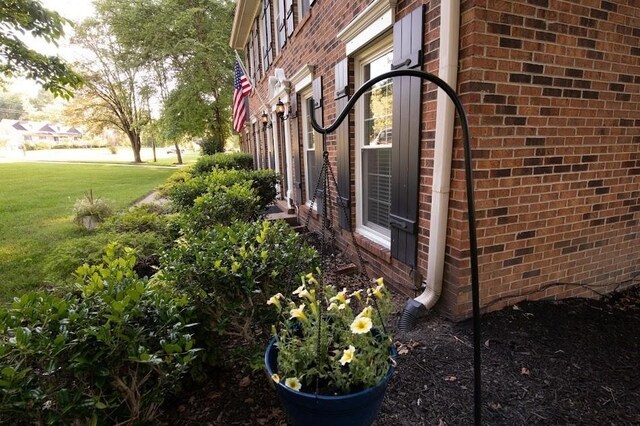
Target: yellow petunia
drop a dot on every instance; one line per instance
(347, 355)
(340, 297)
(357, 295)
(293, 383)
(275, 300)
(366, 312)
(275, 378)
(361, 325)
(299, 289)
(378, 291)
(332, 306)
(298, 313)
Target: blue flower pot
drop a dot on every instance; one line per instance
(307, 409)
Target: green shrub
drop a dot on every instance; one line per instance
(60, 264)
(185, 173)
(110, 354)
(142, 218)
(184, 194)
(223, 207)
(233, 160)
(230, 271)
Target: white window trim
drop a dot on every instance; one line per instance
(305, 95)
(383, 46)
(374, 20)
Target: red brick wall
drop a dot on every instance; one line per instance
(553, 93)
(551, 88)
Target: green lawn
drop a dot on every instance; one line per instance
(35, 210)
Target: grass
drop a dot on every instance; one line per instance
(35, 213)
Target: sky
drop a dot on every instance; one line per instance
(75, 10)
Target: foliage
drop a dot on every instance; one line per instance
(183, 194)
(116, 94)
(60, 263)
(228, 270)
(17, 59)
(223, 206)
(90, 206)
(11, 106)
(331, 338)
(142, 218)
(230, 160)
(110, 354)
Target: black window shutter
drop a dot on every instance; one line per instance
(281, 24)
(342, 142)
(256, 53)
(405, 150)
(290, 20)
(317, 111)
(295, 147)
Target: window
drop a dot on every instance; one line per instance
(309, 145)
(373, 142)
(303, 7)
(265, 35)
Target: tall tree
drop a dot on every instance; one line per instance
(17, 59)
(11, 106)
(185, 43)
(116, 86)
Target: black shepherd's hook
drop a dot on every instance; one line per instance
(473, 244)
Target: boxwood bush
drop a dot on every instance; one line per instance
(222, 160)
(109, 354)
(184, 194)
(223, 206)
(230, 272)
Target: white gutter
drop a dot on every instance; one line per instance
(448, 71)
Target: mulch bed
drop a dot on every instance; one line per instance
(575, 361)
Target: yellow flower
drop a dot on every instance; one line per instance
(361, 325)
(380, 281)
(347, 355)
(275, 378)
(378, 291)
(357, 295)
(299, 289)
(340, 297)
(332, 306)
(366, 312)
(275, 300)
(344, 305)
(298, 313)
(311, 279)
(293, 383)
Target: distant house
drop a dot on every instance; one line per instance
(17, 133)
(552, 92)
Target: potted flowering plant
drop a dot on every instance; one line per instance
(331, 358)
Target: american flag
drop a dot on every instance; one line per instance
(241, 89)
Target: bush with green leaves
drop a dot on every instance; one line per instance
(223, 160)
(223, 207)
(142, 218)
(60, 264)
(184, 194)
(228, 271)
(110, 353)
(91, 206)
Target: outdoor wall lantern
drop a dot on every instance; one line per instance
(264, 118)
(280, 111)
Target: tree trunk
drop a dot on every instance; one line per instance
(178, 153)
(153, 145)
(134, 139)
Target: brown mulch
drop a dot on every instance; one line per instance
(575, 361)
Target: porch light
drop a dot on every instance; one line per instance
(280, 108)
(264, 118)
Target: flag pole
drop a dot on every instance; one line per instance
(253, 83)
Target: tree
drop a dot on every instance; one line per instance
(184, 44)
(17, 59)
(11, 106)
(116, 88)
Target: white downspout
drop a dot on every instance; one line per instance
(448, 71)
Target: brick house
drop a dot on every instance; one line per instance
(552, 92)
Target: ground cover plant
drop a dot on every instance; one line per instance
(109, 353)
(36, 212)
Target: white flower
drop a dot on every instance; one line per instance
(293, 383)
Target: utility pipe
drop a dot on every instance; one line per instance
(445, 114)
